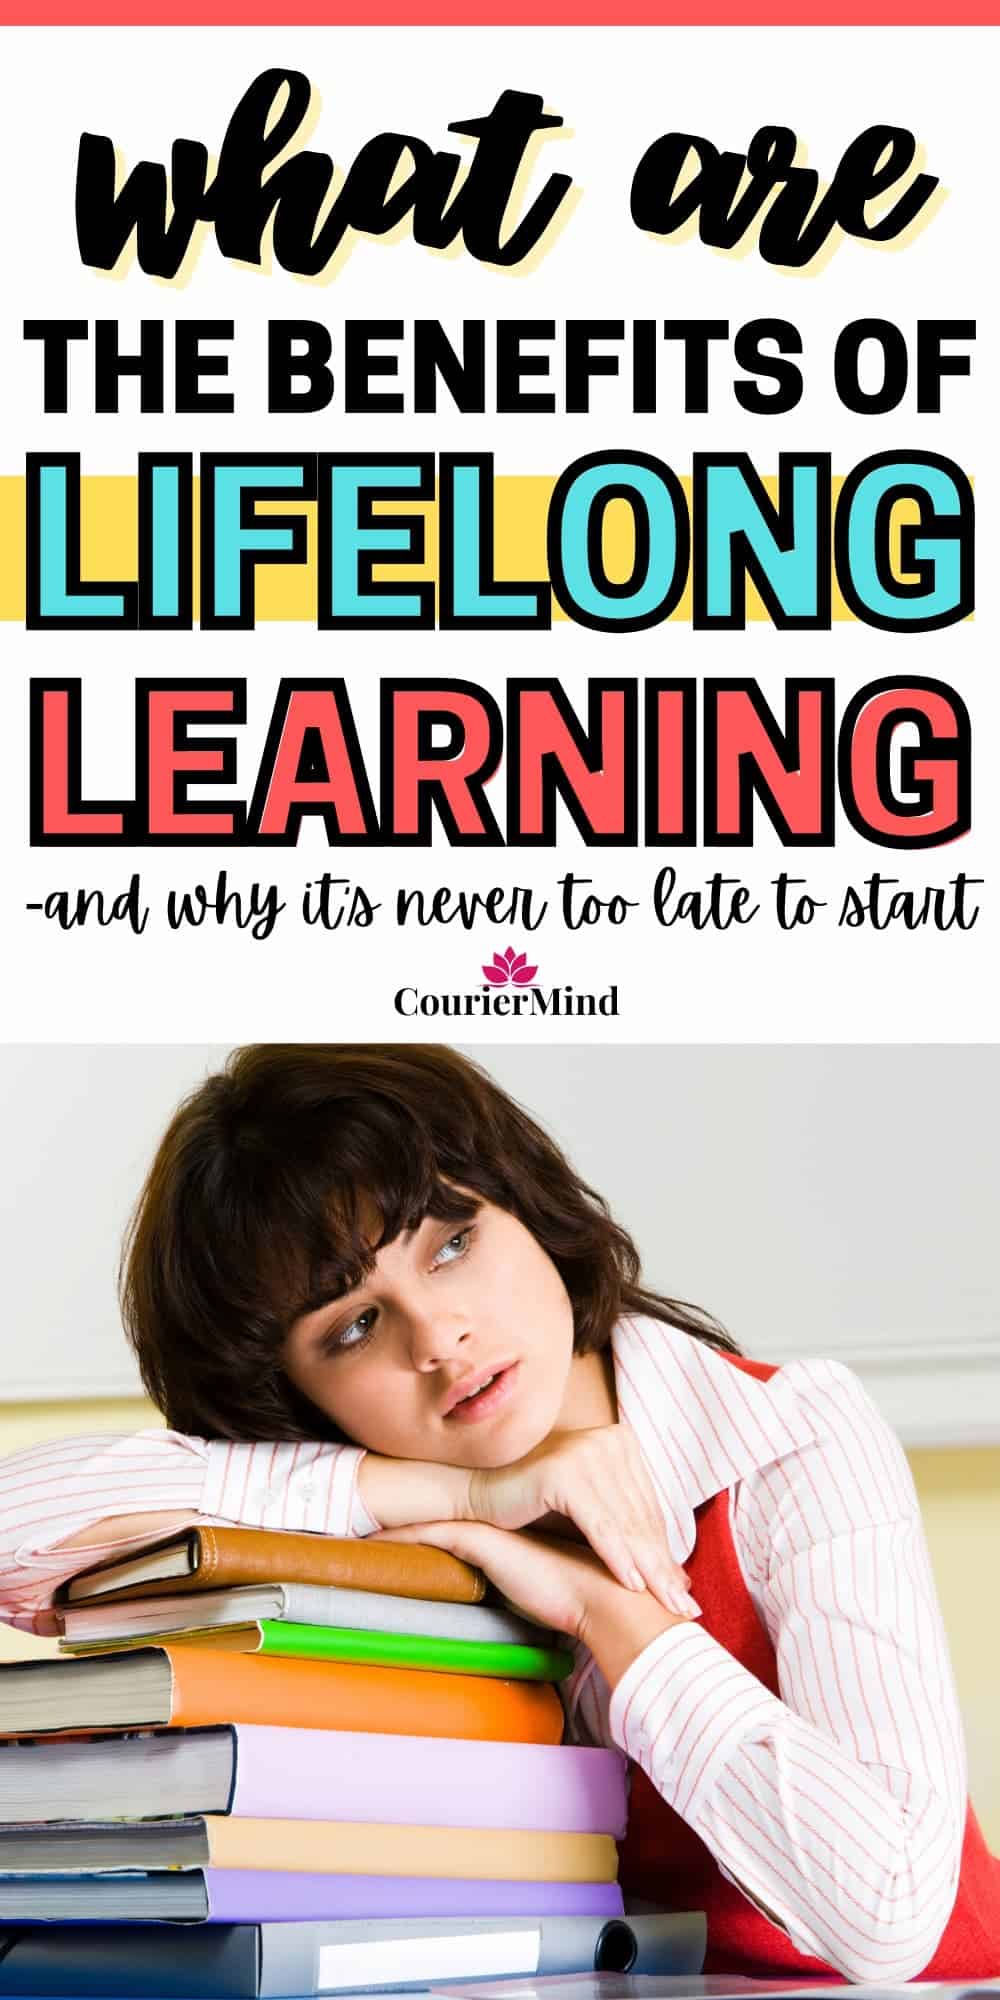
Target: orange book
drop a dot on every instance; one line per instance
(159, 1687)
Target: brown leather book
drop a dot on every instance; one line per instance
(214, 1558)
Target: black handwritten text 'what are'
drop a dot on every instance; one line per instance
(266, 178)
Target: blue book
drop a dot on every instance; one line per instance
(279, 1961)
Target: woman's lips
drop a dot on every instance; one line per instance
(475, 1409)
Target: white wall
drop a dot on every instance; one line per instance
(818, 1200)
(836, 1199)
(79, 1128)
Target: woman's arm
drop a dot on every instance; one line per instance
(594, 1479)
(72, 1501)
(68, 1503)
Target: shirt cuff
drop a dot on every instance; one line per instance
(680, 1709)
(362, 1519)
(304, 1487)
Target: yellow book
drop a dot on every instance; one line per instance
(323, 1847)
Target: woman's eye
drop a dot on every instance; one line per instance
(455, 1247)
(354, 1335)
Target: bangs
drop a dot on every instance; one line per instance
(310, 1209)
(357, 1229)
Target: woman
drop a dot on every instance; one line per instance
(369, 1294)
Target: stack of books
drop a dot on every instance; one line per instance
(337, 1739)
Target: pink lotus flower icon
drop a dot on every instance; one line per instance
(510, 969)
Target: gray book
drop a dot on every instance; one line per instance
(295, 1603)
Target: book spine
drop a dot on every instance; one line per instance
(413, 1780)
(210, 1687)
(404, 1954)
(131, 1962)
(288, 1640)
(206, 1554)
(255, 1895)
(373, 1847)
(238, 1556)
(373, 1611)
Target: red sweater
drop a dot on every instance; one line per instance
(665, 1862)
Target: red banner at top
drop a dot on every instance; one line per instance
(497, 13)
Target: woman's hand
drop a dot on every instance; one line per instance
(549, 1582)
(556, 1583)
(596, 1479)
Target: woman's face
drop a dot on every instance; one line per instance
(400, 1364)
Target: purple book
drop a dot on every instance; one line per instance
(260, 1896)
(264, 1771)
(426, 1781)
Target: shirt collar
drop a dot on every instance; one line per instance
(700, 1423)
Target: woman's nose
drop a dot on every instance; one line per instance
(436, 1337)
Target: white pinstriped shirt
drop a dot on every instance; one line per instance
(838, 1808)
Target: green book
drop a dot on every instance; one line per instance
(387, 1649)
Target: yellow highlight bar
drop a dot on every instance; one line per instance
(287, 592)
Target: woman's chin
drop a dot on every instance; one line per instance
(486, 1450)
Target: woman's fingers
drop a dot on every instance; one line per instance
(647, 1537)
(455, 1536)
(597, 1479)
(547, 1580)
(660, 1574)
(609, 1541)
(668, 1583)
(635, 1558)
(470, 1540)
(621, 1537)
(630, 1537)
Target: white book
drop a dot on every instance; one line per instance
(299, 1604)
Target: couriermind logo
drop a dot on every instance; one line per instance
(509, 988)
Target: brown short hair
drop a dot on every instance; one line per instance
(278, 1180)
